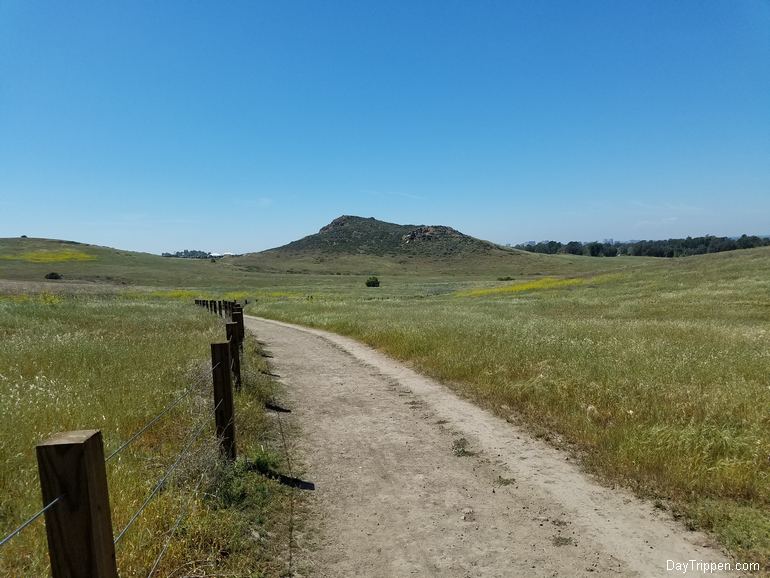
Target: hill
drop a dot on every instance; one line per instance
(357, 235)
(346, 246)
(30, 259)
(358, 245)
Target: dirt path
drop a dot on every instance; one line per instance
(381, 443)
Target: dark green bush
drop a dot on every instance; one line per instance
(372, 282)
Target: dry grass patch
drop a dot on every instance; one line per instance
(83, 362)
(657, 375)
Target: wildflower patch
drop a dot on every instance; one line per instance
(539, 284)
(50, 256)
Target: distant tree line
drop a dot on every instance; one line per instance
(189, 254)
(663, 248)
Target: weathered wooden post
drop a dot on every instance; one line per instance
(219, 305)
(238, 318)
(79, 526)
(223, 398)
(235, 357)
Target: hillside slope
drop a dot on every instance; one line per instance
(347, 246)
(357, 235)
(28, 259)
(357, 245)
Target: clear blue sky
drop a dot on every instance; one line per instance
(233, 126)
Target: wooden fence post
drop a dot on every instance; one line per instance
(79, 526)
(223, 398)
(232, 339)
(238, 318)
(219, 305)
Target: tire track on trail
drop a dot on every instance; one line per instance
(398, 493)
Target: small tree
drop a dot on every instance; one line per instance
(372, 282)
(594, 249)
(573, 248)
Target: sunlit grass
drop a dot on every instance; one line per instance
(180, 294)
(539, 284)
(85, 362)
(658, 377)
(36, 298)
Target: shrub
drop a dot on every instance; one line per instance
(53, 275)
(372, 282)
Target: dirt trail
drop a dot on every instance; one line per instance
(395, 498)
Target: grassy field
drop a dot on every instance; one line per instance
(654, 371)
(80, 361)
(96, 268)
(32, 259)
(657, 375)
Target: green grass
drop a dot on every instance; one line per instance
(654, 370)
(112, 363)
(99, 269)
(658, 375)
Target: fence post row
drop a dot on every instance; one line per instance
(79, 528)
(73, 474)
(223, 398)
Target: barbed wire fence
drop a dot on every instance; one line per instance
(72, 470)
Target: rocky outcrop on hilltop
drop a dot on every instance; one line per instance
(431, 233)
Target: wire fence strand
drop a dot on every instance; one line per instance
(152, 422)
(123, 446)
(29, 520)
(174, 528)
(193, 436)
